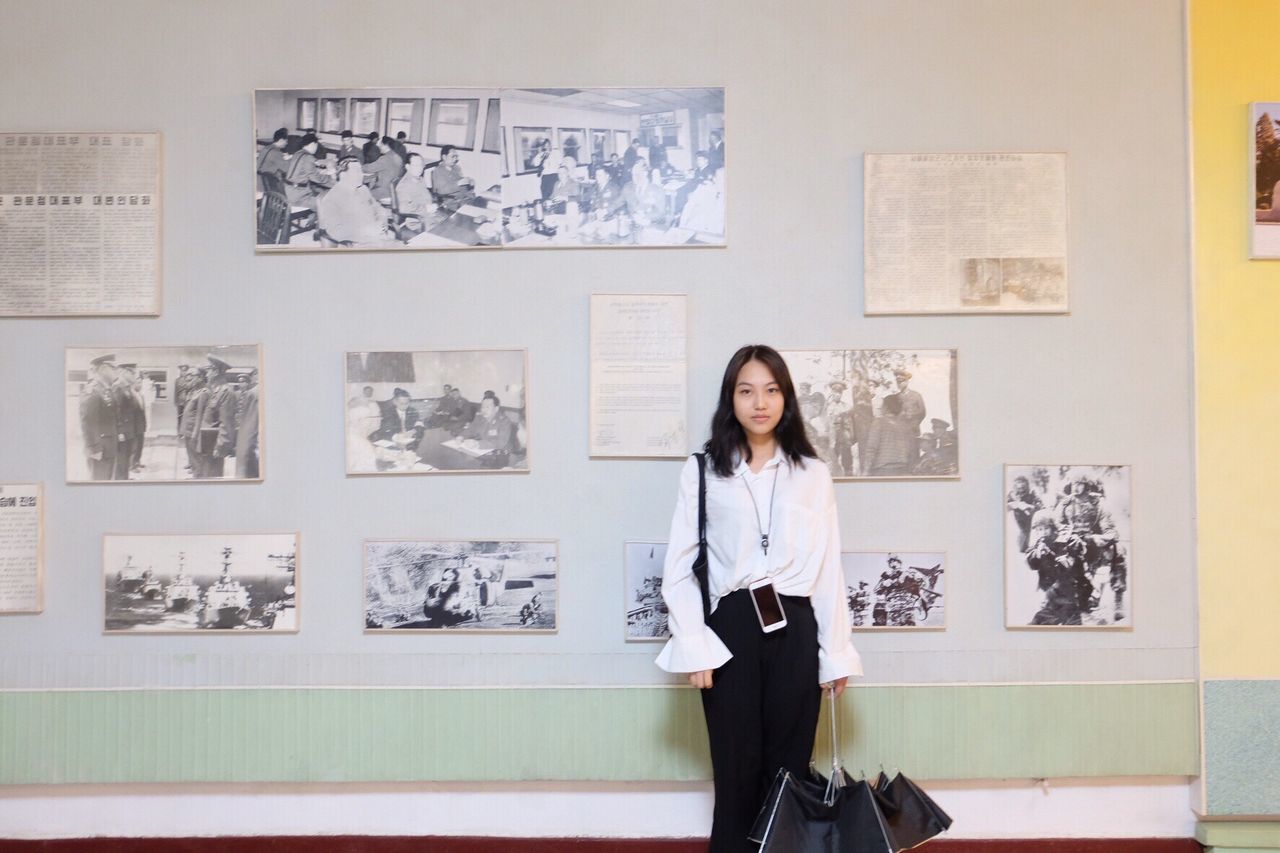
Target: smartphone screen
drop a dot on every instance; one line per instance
(767, 603)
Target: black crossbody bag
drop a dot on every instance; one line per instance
(700, 564)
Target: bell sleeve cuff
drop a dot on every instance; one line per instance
(694, 652)
(840, 663)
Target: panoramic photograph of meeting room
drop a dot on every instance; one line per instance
(481, 168)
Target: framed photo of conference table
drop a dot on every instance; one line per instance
(436, 412)
(341, 186)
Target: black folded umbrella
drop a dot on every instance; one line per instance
(813, 816)
(816, 814)
(912, 815)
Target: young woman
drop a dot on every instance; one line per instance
(771, 514)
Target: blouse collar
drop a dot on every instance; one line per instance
(743, 468)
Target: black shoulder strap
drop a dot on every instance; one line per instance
(701, 563)
(702, 499)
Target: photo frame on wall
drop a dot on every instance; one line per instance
(667, 188)
(21, 548)
(164, 414)
(572, 144)
(646, 612)
(464, 586)
(1264, 203)
(973, 232)
(1068, 546)
(437, 411)
(881, 414)
(896, 590)
(533, 145)
(233, 583)
(436, 185)
(81, 217)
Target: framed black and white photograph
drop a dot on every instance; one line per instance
(164, 414)
(186, 583)
(501, 586)
(571, 142)
(533, 144)
(433, 411)
(1068, 536)
(646, 611)
(896, 590)
(880, 413)
(652, 172)
(409, 168)
(601, 145)
(1264, 218)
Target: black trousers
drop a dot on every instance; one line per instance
(762, 711)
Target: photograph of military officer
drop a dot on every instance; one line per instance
(163, 414)
(880, 413)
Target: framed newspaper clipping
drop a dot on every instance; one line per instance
(21, 548)
(965, 233)
(80, 219)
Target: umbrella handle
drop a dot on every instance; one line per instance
(832, 785)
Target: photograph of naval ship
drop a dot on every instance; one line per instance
(188, 583)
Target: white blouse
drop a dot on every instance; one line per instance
(803, 558)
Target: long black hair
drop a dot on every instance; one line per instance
(728, 439)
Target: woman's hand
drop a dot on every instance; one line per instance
(701, 679)
(836, 686)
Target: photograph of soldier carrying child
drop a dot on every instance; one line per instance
(1067, 546)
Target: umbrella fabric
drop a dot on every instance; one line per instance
(911, 814)
(796, 819)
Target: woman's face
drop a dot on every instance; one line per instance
(757, 399)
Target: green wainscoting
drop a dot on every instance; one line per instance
(1243, 837)
(357, 735)
(1242, 747)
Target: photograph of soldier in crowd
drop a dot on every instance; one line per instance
(431, 411)
(163, 414)
(645, 609)
(879, 413)
(895, 590)
(1067, 546)
(430, 585)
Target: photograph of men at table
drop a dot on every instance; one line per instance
(614, 167)
(377, 168)
(410, 412)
